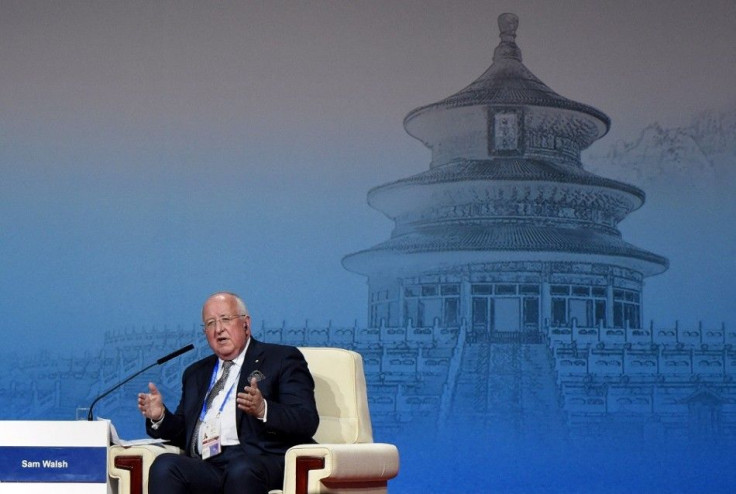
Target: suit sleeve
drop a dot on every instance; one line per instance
(292, 410)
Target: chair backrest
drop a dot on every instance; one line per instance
(340, 392)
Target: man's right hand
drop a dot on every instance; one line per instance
(151, 404)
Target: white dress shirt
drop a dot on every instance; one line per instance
(228, 425)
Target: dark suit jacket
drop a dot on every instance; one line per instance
(287, 386)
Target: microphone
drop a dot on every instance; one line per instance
(160, 361)
(175, 354)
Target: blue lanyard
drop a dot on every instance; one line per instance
(212, 384)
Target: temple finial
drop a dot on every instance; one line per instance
(507, 24)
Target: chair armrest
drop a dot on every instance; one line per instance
(128, 466)
(364, 468)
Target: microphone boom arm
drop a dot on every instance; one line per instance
(90, 415)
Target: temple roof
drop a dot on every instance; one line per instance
(511, 169)
(508, 82)
(518, 238)
(437, 222)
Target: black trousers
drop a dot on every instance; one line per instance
(231, 472)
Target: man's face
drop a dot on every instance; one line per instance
(227, 339)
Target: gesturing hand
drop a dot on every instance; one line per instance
(151, 404)
(251, 401)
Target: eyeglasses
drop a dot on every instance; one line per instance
(211, 324)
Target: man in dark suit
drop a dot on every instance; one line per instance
(240, 410)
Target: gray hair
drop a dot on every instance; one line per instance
(242, 308)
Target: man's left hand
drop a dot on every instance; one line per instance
(251, 400)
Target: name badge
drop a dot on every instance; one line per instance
(211, 444)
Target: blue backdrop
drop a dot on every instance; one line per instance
(152, 154)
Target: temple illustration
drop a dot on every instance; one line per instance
(506, 229)
(506, 296)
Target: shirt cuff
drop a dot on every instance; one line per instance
(156, 424)
(265, 411)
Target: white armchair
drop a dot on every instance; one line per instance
(345, 459)
(127, 467)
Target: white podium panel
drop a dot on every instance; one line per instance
(53, 457)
